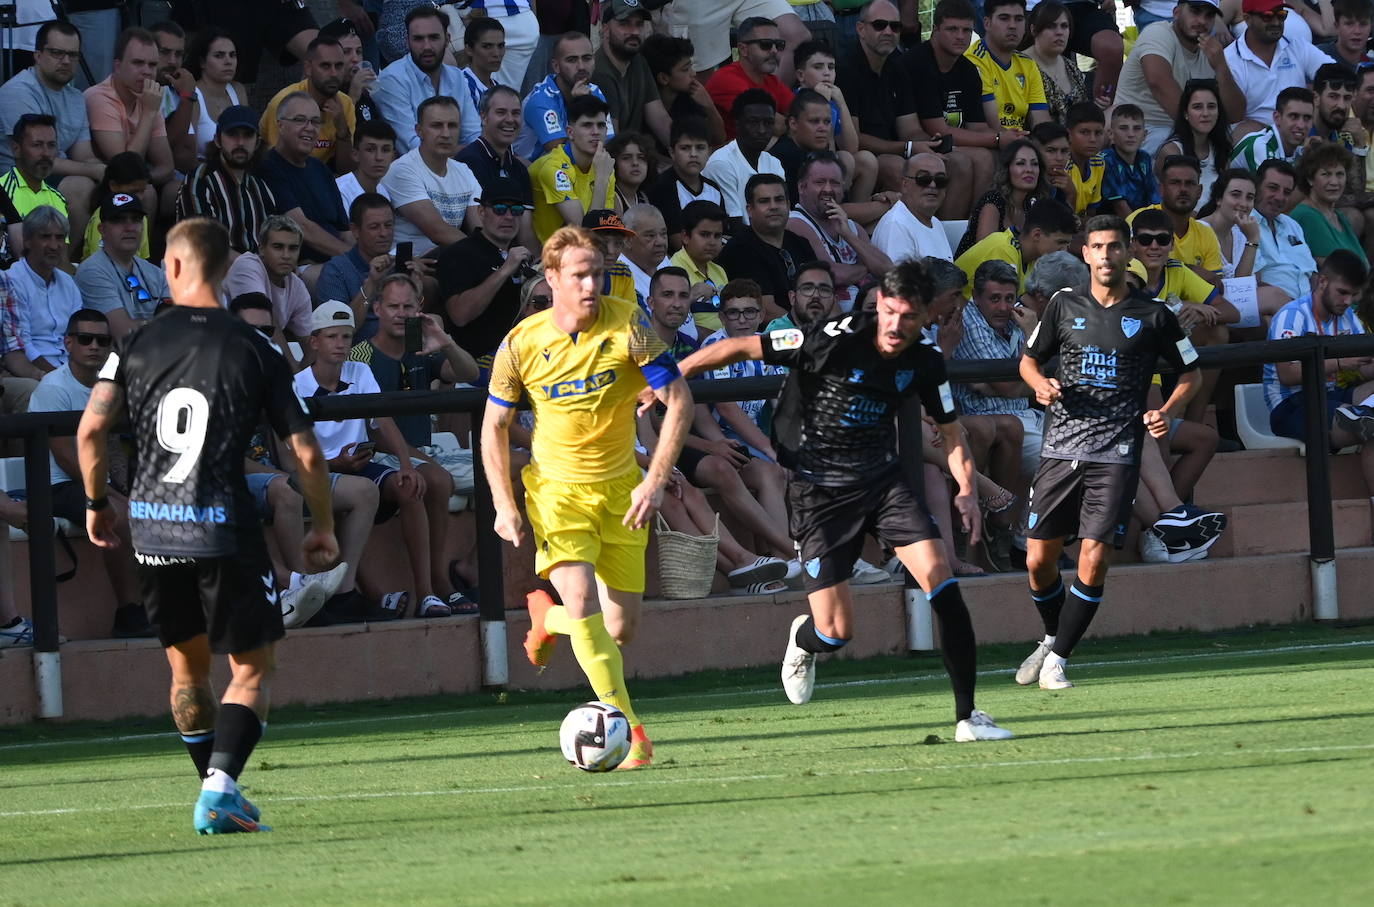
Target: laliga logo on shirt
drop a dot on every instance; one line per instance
(1129, 326)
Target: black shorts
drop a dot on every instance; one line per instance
(69, 502)
(257, 24)
(1075, 498)
(1088, 20)
(232, 598)
(830, 524)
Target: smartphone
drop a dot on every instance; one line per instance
(415, 339)
(366, 64)
(365, 447)
(946, 144)
(404, 251)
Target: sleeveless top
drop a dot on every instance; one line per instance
(205, 125)
(837, 250)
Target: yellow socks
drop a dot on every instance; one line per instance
(598, 655)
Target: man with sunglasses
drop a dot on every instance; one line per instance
(760, 47)
(708, 28)
(1263, 62)
(491, 156)
(114, 280)
(87, 341)
(911, 229)
(1165, 57)
(480, 277)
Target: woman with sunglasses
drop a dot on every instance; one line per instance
(636, 163)
(1019, 182)
(214, 61)
(1200, 131)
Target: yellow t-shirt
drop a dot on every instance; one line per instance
(328, 134)
(1016, 86)
(715, 276)
(1088, 189)
(582, 389)
(91, 242)
(619, 283)
(1198, 246)
(1002, 246)
(1179, 281)
(557, 179)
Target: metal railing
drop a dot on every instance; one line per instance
(35, 429)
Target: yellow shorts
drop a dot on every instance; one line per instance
(582, 522)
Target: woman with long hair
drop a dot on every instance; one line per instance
(214, 61)
(1230, 214)
(1323, 170)
(1051, 27)
(1019, 182)
(1200, 131)
(636, 163)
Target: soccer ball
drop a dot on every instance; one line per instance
(595, 737)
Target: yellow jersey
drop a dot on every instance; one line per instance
(582, 388)
(707, 320)
(1088, 189)
(1198, 247)
(1016, 85)
(327, 137)
(619, 283)
(555, 179)
(1003, 246)
(1179, 281)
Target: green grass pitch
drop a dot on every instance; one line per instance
(1218, 769)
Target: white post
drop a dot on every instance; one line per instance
(920, 627)
(495, 668)
(47, 676)
(1324, 599)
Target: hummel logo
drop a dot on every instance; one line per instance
(271, 588)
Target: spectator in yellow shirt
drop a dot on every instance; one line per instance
(1195, 244)
(703, 224)
(1049, 226)
(577, 176)
(1087, 125)
(1013, 89)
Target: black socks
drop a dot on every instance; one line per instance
(237, 731)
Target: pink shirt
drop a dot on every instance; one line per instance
(107, 113)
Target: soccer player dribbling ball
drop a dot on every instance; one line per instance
(195, 381)
(582, 362)
(1108, 344)
(835, 428)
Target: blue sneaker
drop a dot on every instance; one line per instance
(21, 634)
(248, 808)
(222, 814)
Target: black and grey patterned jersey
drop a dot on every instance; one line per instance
(1107, 358)
(197, 383)
(835, 421)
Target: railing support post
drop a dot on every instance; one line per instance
(1320, 527)
(491, 572)
(47, 663)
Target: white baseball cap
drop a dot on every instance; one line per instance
(332, 314)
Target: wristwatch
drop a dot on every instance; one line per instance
(99, 503)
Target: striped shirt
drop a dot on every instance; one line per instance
(982, 341)
(11, 341)
(1258, 147)
(1293, 320)
(240, 206)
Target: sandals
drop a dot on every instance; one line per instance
(397, 603)
(997, 503)
(767, 588)
(433, 606)
(458, 603)
(761, 571)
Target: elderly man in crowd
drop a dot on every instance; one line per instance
(911, 229)
(45, 294)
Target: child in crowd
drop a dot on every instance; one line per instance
(703, 224)
(682, 183)
(1086, 124)
(1128, 183)
(1053, 141)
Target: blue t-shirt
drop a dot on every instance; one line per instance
(1133, 183)
(310, 188)
(546, 117)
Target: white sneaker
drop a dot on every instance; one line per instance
(865, 574)
(798, 667)
(793, 576)
(300, 604)
(1152, 548)
(1030, 668)
(21, 634)
(980, 726)
(1052, 675)
(330, 579)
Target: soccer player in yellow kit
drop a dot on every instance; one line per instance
(582, 362)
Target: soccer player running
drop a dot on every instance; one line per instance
(194, 382)
(835, 428)
(1108, 345)
(582, 362)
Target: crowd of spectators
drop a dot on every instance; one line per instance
(745, 164)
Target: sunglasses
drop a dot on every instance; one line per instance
(84, 339)
(501, 209)
(884, 24)
(136, 287)
(768, 43)
(1154, 239)
(737, 314)
(923, 179)
(1273, 15)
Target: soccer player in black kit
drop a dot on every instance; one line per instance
(835, 429)
(1108, 344)
(196, 381)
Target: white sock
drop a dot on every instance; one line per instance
(219, 782)
(1048, 640)
(1052, 660)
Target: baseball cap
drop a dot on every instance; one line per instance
(1260, 6)
(1214, 4)
(502, 189)
(332, 314)
(236, 117)
(605, 220)
(120, 204)
(622, 10)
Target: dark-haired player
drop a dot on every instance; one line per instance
(835, 428)
(1108, 343)
(194, 381)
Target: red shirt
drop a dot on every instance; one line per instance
(729, 82)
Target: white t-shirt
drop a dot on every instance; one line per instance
(1293, 67)
(334, 436)
(900, 234)
(58, 392)
(1158, 39)
(350, 189)
(410, 180)
(731, 171)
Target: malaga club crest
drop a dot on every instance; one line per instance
(903, 378)
(1130, 326)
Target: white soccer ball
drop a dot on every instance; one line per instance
(595, 737)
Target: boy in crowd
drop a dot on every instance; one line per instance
(1128, 179)
(1053, 141)
(703, 225)
(1086, 124)
(815, 61)
(682, 183)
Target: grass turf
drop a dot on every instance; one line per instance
(1224, 769)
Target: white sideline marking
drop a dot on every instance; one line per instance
(837, 685)
(642, 781)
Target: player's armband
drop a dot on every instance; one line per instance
(661, 372)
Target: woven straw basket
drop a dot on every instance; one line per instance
(686, 563)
